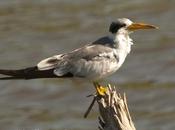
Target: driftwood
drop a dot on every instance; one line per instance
(114, 113)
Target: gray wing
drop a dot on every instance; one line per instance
(58, 62)
(80, 61)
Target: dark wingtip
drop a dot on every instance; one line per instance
(9, 78)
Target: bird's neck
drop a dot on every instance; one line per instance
(123, 42)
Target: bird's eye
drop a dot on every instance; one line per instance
(124, 25)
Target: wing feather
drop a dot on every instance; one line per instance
(81, 61)
(50, 63)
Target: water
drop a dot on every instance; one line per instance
(33, 30)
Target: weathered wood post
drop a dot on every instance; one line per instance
(113, 109)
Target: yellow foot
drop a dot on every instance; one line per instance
(101, 90)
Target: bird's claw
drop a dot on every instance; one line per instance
(101, 90)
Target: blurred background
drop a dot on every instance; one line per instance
(36, 29)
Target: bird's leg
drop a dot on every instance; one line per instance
(101, 90)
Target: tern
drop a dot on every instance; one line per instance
(93, 61)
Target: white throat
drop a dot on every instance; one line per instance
(123, 41)
(123, 46)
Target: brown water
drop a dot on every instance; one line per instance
(32, 30)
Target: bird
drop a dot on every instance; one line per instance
(93, 61)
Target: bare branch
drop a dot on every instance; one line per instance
(114, 113)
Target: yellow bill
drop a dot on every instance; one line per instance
(136, 26)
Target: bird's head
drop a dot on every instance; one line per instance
(125, 25)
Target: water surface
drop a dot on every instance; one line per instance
(32, 30)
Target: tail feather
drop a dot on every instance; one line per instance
(29, 73)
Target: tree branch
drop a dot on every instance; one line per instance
(114, 113)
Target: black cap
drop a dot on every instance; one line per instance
(115, 26)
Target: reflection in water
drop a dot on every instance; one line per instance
(33, 30)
